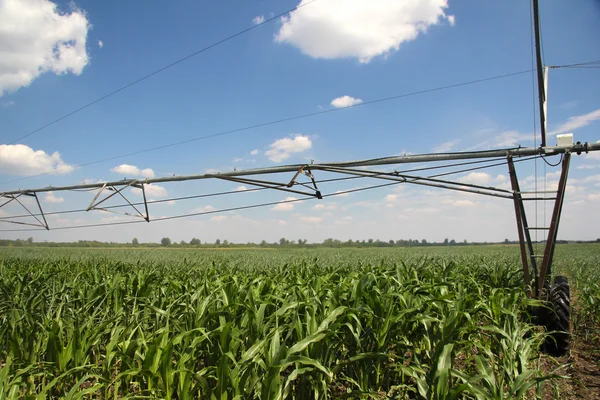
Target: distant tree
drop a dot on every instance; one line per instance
(30, 240)
(424, 241)
(263, 243)
(135, 242)
(195, 242)
(452, 242)
(446, 241)
(391, 242)
(218, 242)
(182, 242)
(282, 242)
(225, 242)
(165, 241)
(505, 241)
(370, 241)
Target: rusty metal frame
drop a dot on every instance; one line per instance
(546, 268)
(525, 243)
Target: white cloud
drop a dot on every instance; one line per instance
(445, 147)
(152, 190)
(391, 198)
(478, 178)
(219, 218)
(282, 149)
(237, 160)
(341, 193)
(241, 188)
(7, 104)
(311, 220)
(37, 37)
(345, 101)
(464, 203)
(283, 206)
(254, 152)
(258, 19)
(100, 43)
(322, 207)
(51, 198)
(576, 122)
(132, 170)
(451, 19)
(359, 29)
(19, 159)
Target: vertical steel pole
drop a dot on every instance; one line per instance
(546, 268)
(540, 70)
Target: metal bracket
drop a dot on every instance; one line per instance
(11, 197)
(95, 202)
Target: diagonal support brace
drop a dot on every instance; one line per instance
(43, 223)
(272, 185)
(95, 202)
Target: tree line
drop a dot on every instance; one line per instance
(282, 243)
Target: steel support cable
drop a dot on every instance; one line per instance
(156, 72)
(255, 205)
(593, 64)
(260, 189)
(269, 123)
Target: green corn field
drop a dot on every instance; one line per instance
(294, 324)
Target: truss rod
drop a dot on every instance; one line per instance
(515, 152)
(415, 181)
(377, 174)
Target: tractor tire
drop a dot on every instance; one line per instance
(559, 316)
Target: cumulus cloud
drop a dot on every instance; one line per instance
(391, 198)
(258, 19)
(284, 206)
(51, 198)
(241, 188)
(100, 43)
(282, 149)
(152, 190)
(254, 152)
(19, 159)
(360, 29)
(37, 37)
(345, 101)
(133, 171)
(322, 207)
(478, 178)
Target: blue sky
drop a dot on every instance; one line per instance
(76, 52)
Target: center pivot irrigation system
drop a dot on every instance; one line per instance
(537, 265)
